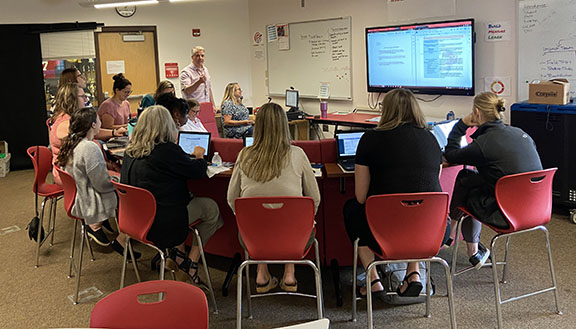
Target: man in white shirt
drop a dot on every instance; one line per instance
(195, 79)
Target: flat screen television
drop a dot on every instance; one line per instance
(427, 58)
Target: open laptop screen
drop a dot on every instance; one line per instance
(188, 140)
(441, 130)
(248, 141)
(347, 143)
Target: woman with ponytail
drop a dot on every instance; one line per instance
(496, 150)
(82, 158)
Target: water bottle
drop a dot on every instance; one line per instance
(216, 160)
(450, 115)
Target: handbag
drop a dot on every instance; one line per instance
(34, 224)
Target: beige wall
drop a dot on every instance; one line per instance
(223, 23)
(492, 59)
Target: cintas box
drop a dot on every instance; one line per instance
(555, 91)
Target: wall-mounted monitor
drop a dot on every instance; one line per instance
(427, 58)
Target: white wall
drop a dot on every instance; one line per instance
(223, 24)
(492, 58)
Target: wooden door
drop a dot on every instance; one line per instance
(137, 48)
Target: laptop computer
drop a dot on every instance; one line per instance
(248, 141)
(347, 142)
(441, 130)
(188, 140)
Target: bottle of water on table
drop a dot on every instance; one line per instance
(216, 160)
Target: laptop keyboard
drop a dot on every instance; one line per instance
(347, 164)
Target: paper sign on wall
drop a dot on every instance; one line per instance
(499, 31)
(171, 70)
(115, 67)
(271, 32)
(498, 85)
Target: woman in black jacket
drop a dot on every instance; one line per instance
(496, 150)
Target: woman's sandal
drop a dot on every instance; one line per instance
(182, 270)
(378, 294)
(414, 288)
(266, 287)
(289, 287)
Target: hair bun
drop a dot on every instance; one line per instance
(118, 76)
(500, 105)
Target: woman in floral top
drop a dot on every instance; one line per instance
(235, 116)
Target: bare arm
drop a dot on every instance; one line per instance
(229, 122)
(362, 182)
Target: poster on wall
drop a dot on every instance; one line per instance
(498, 85)
(407, 10)
(497, 31)
(258, 46)
(283, 33)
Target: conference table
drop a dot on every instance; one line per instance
(352, 119)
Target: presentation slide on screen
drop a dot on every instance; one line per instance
(189, 141)
(435, 57)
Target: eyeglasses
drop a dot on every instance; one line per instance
(127, 92)
(194, 112)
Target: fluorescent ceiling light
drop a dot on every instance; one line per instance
(112, 4)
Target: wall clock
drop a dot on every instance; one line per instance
(126, 11)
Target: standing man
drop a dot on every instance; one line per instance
(195, 79)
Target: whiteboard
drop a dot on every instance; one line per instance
(546, 42)
(318, 52)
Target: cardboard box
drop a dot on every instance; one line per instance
(3, 147)
(5, 165)
(555, 91)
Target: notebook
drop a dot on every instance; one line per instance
(442, 129)
(188, 140)
(248, 141)
(347, 142)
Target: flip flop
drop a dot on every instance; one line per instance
(264, 288)
(414, 288)
(289, 287)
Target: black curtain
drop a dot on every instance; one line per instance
(23, 106)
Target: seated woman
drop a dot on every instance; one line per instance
(73, 75)
(399, 156)
(193, 123)
(236, 121)
(496, 150)
(154, 161)
(178, 108)
(164, 87)
(95, 197)
(69, 98)
(273, 167)
(115, 111)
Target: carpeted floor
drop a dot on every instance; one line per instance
(38, 297)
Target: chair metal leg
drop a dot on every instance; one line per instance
(72, 245)
(450, 290)
(239, 296)
(134, 263)
(505, 270)
(162, 265)
(369, 295)
(455, 249)
(318, 278)
(428, 289)
(39, 235)
(92, 258)
(248, 288)
(125, 260)
(206, 272)
(354, 275)
(79, 271)
(236, 260)
(552, 272)
(497, 297)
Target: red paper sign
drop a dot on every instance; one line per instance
(195, 32)
(171, 70)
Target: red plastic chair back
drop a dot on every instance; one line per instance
(275, 228)
(328, 147)
(311, 148)
(408, 225)
(183, 306)
(42, 160)
(69, 186)
(525, 199)
(206, 115)
(136, 211)
(228, 148)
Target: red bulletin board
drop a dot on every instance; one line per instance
(171, 70)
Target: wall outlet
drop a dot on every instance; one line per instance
(325, 128)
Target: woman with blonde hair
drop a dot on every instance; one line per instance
(236, 121)
(164, 87)
(273, 167)
(399, 156)
(496, 150)
(155, 162)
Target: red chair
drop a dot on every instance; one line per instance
(408, 227)
(182, 306)
(208, 118)
(69, 186)
(275, 230)
(42, 160)
(525, 200)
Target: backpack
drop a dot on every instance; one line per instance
(393, 274)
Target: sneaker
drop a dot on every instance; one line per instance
(117, 247)
(98, 236)
(478, 259)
